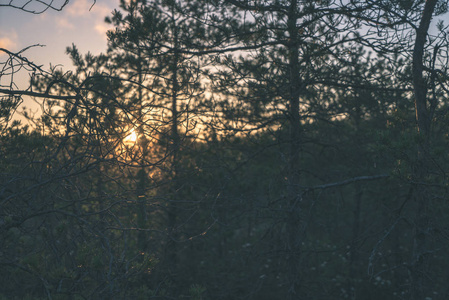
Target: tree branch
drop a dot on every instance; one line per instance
(35, 94)
(347, 181)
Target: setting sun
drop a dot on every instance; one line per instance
(131, 138)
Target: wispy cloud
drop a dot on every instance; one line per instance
(86, 8)
(102, 28)
(8, 40)
(63, 23)
(7, 43)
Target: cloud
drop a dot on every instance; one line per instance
(79, 14)
(102, 28)
(63, 23)
(7, 43)
(101, 10)
(86, 11)
(78, 8)
(85, 8)
(8, 40)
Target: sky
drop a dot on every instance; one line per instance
(78, 23)
(81, 22)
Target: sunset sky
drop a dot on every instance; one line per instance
(81, 22)
(56, 30)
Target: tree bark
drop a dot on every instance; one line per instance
(419, 83)
(172, 214)
(142, 177)
(420, 256)
(294, 239)
(354, 251)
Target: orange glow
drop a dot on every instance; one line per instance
(131, 138)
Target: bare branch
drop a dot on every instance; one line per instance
(35, 94)
(348, 181)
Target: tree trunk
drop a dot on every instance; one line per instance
(142, 177)
(294, 239)
(354, 251)
(420, 256)
(172, 214)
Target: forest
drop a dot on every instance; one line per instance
(232, 149)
